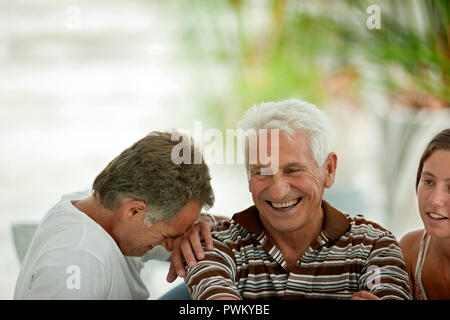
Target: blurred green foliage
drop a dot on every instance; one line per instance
(415, 39)
(313, 50)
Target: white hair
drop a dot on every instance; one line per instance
(289, 116)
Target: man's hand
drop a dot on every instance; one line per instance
(364, 295)
(188, 244)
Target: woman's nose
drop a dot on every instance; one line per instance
(439, 196)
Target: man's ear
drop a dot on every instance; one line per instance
(134, 209)
(330, 166)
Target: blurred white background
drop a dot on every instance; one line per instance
(82, 80)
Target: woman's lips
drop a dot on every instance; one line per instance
(436, 216)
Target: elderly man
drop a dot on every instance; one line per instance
(90, 244)
(292, 244)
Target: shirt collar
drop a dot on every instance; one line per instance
(334, 226)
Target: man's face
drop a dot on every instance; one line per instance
(138, 238)
(292, 197)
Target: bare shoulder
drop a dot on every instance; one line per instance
(410, 243)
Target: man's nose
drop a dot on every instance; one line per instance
(279, 187)
(167, 244)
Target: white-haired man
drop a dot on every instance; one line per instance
(292, 244)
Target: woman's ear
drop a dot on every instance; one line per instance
(330, 166)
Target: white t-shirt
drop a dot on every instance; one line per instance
(73, 257)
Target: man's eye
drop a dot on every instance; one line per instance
(258, 171)
(260, 174)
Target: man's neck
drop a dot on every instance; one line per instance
(294, 244)
(92, 208)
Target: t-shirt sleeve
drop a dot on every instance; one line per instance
(214, 276)
(67, 274)
(384, 273)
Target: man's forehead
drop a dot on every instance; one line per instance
(183, 219)
(187, 215)
(175, 228)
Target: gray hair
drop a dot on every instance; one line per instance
(145, 172)
(291, 115)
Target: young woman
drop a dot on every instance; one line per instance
(427, 251)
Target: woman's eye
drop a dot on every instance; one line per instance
(427, 182)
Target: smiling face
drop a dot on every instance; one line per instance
(134, 238)
(433, 194)
(291, 199)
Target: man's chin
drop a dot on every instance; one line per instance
(281, 219)
(281, 225)
(284, 228)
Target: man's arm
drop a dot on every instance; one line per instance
(188, 247)
(384, 274)
(214, 277)
(65, 274)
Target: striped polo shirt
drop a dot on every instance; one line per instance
(349, 255)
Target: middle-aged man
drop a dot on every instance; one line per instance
(292, 244)
(90, 244)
